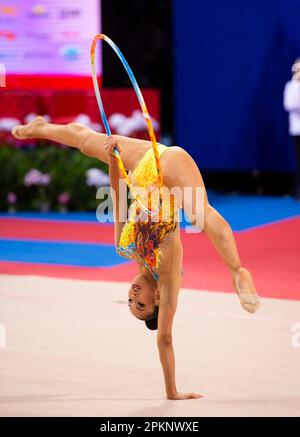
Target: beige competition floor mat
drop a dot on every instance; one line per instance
(73, 349)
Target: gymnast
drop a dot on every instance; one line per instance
(154, 244)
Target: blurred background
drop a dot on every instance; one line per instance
(213, 76)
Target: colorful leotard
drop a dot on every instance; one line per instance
(142, 234)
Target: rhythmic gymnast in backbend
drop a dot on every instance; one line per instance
(155, 246)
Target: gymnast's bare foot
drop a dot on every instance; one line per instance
(245, 288)
(183, 396)
(30, 130)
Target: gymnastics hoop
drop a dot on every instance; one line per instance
(144, 111)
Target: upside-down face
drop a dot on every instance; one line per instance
(142, 298)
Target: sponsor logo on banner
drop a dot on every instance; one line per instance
(70, 53)
(70, 35)
(69, 13)
(39, 11)
(47, 37)
(8, 35)
(8, 10)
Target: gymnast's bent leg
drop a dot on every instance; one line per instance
(181, 171)
(220, 234)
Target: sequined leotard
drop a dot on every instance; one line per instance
(141, 237)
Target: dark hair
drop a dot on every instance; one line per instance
(151, 322)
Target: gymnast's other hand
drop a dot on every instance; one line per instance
(111, 143)
(184, 396)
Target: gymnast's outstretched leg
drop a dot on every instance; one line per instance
(89, 142)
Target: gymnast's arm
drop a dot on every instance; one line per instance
(169, 286)
(119, 200)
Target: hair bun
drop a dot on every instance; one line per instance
(151, 324)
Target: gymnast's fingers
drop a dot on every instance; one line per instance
(111, 146)
(111, 140)
(117, 146)
(107, 142)
(110, 149)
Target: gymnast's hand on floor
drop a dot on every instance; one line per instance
(184, 396)
(110, 144)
